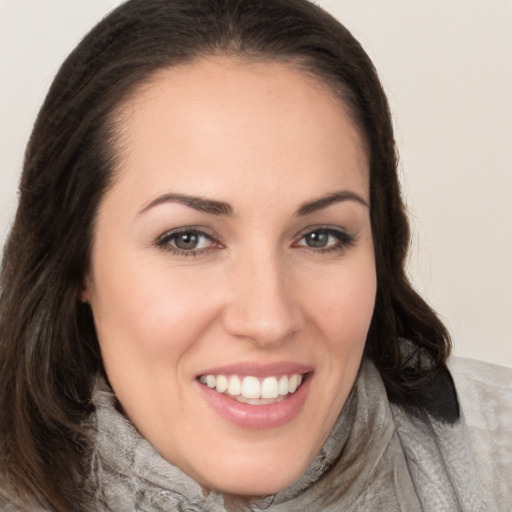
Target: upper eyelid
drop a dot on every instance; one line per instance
(321, 227)
(201, 230)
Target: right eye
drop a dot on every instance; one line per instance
(186, 242)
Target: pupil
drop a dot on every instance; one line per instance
(317, 239)
(187, 241)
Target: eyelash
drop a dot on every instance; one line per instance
(165, 241)
(343, 239)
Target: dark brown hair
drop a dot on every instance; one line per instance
(48, 347)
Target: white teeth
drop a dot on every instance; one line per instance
(293, 383)
(234, 386)
(283, 385)
(269, 388)
(211, 381)
(252, 388)
(222, 383)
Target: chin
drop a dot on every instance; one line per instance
(249, 487)
(256, 479)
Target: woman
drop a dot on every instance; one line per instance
(204, 303)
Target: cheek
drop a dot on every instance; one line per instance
(145, 317)
(148, 326)
(343, 305)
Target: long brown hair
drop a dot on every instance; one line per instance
(48, 347)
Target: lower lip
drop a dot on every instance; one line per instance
(258, 417)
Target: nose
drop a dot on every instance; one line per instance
(263, 305)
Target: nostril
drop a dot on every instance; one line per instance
(261, 305)
(263, 324)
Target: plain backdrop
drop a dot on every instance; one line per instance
(447, 68)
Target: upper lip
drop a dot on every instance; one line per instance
(259, 369)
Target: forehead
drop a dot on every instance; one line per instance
(226, 117)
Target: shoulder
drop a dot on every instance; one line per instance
(485, 397)
(484, 391)
(480, 372)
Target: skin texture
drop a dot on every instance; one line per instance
(265, 138)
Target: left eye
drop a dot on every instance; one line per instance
(324, 238)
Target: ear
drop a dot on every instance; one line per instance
(84, 292)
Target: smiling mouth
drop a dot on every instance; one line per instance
(253, 390)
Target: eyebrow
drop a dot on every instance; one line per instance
(324, 202)
(222, 208)
(197, 203)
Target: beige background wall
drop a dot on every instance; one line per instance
(447, 68)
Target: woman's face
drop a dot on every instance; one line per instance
(233, 276)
